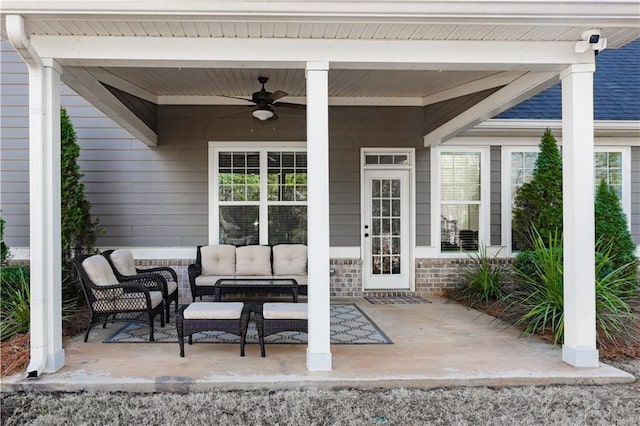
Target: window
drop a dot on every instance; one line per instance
(610, 164)
(259, 195)
(608, 167)
(461, 192)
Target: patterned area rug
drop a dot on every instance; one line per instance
(396, 300)
(349, 325)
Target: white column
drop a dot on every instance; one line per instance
(47, 354)
(318, 350)
(579, 348)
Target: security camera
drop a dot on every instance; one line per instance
(591, 39)
(592, 36)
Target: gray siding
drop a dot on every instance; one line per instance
(423, 197)
(14, 139)
(353, 128)
(496, 200)
(158, 196)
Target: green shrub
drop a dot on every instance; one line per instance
(540, 292)
(79, 229)
(614, 316)
(538, 203)
(482, 280)
(540, 296)
(525, 262)
(15, 301)
(612, 232)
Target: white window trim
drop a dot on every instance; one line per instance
(506, 213)
(214, 202)
(484, 224)
(626, 176)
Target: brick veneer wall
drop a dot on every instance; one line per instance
(433, 276)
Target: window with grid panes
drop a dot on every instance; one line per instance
(246, 206)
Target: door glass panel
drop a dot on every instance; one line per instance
(386, 223)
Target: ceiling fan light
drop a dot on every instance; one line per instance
(263, 113)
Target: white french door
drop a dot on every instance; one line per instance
(386, 241)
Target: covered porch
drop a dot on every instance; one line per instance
(489, 64)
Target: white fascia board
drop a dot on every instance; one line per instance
(342, 54)
(523, 127)
(532, 12)
(93, 91)
(505, 98)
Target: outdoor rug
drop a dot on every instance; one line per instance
(349, 325)
(396, 300)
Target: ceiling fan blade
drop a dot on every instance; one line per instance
(277, 95)
(289, 105)
(236, 97)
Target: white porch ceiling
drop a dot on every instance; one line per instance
(205, 85)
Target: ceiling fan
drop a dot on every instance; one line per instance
(265, 101)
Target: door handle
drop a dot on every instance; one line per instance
(366, 235)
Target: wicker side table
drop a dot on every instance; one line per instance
(212, 322)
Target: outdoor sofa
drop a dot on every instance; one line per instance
(280, 263)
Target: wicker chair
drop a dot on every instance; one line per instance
(123, 266)
(111, 299)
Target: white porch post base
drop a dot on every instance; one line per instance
(55, 361)
(318, 361)
(580, 357)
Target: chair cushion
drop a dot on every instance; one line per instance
(290, 259)
(285, 311)
(122, 259)
(171, 287)
(101, 274)
(213, 310)
(125, 302)
(253, 260)
(218, 260)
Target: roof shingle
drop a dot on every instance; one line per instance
(616, 90)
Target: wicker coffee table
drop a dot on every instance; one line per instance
(257, 285)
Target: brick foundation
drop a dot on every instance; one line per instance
(433, 277)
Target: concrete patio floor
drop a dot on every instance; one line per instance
(435, 345)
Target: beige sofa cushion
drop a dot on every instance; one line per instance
(122, 259)
(290, 259)
(285, 311)
(218, 260)
(253, 260)
(101, 274)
